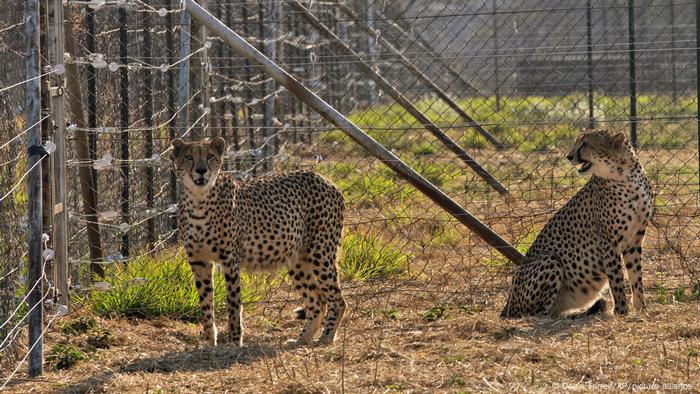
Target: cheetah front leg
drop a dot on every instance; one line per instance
(633, 264)
(205, 289)
(616, 281)
(232, 270)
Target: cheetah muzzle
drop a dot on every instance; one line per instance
(289, 220)
(576, 159)
(592, 240)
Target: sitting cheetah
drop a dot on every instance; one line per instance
(292, 220)
(578, 252)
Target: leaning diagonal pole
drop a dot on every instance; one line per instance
(399, 98)
(421, 76)
(243, 48)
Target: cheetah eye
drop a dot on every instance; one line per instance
(210, 157)
(189, 157)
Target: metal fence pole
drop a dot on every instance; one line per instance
(697, 77)
(632, 73)
(82, 152)
(589, 64)
(243, 48)
(496, 74)
(218, 127)
(33, 108)
(183, 88)
(47, 169)
(269, 105)
(674, 76)
(170, 54)
(124, 123)
(371, 43)
(400, 99)
(91, 91)
(234, 120)
(148, 120)
(248, 94)
(56, 41)
(204, 68)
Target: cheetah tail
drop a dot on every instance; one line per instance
(300, 313)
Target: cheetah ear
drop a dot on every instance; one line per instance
(618, 140)
(176, 145)
(219, 145)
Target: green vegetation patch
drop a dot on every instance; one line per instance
(148, 287)
(366, 257)
(64, 356)
(435, 313)
(79, 326)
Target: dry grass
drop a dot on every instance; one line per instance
(436, 327)
(388, 346)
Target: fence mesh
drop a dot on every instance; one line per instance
(531, 74)
(13, 163)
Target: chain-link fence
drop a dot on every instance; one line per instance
(510, 84)
(13, 172)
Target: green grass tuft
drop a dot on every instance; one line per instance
(435, 313)
(424, 149)
(149, 287)
(64, 356)
(456, 381)
(79, 326)
(366, 257)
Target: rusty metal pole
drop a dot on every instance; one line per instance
(243, 48)
(420, 75)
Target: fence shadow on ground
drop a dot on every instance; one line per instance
(191, 359)
(204, 359)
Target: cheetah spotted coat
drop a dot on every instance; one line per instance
(292, 220)
(591, 240)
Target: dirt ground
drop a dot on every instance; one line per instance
(456, 349)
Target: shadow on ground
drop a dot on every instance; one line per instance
(203, 359)
(192, 359)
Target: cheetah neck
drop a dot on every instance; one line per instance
(197, 199)
(635, 179)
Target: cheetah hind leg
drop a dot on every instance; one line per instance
(602, 306)
(314, 304)
(330, 289)
(535, 289)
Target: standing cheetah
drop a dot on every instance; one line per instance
(292, 220)
(581, 250)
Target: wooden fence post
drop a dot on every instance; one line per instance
(35, 277)
(56, 41)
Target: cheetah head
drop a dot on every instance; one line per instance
(603, 154)
(198, 164)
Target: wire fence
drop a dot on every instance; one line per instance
(509, 83)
